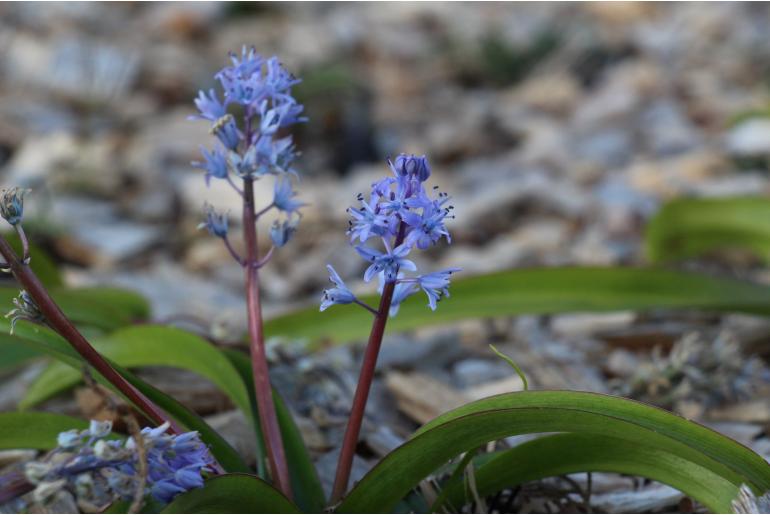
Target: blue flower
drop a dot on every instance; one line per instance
(411, 166)
(225, 129)
(215, 222)
(251, 79)
(436, 285)
(215, 165)
(98, 471)
(281, 232)
(340, 294)
(427, 228)
(366, 221)
(283, 195)
(400, 294)
(402, 290)
(389, 262)
(165, 491)
(210, 107)
(404, 216)
(12, 205)
(279, 116)
(263, 88)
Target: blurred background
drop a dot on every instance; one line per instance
(559, 129)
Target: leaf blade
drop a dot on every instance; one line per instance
(543, 412)
(571, 453)
(149, 345)
(538, 291)
(690, 227)
(47, 342)
(35, 430)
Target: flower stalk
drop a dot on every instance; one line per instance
(267, 415)
(401, 214)
(365, 379)
(252, 147)
(61, 324)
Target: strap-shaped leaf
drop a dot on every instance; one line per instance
(149, 345)
(569, 453)
(13, 356)
(47, 342)
(35, 430)
(690, 227)
(538, 290)
(544, 412)
(103, 308)
(232, 493)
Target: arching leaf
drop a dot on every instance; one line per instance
(537, 290)
(497, 417)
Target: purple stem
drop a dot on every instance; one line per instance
(61, 324)
(350, 440)
(267, 417)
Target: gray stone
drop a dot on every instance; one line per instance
(326, 466)
(237, 431)
(472, 372)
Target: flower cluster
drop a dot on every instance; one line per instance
(97, 470)
(400, 213)
(258, 92)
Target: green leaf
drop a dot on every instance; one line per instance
(571, 453)
(691, 227)
(35, 430)
(102, 308)
(128, 303)
(232, 493)
(505, 415)
(308, 492)
(47, 342)
(14, 355)
(146, 345)
(537, 290)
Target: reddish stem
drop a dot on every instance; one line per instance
(350, 440)
(61, 324)
(267, 417)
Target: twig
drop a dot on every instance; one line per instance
(141, 457)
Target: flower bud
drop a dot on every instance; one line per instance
(12, 205)
(100, 428)
(281, 232)
(215, 223)
(412, 166)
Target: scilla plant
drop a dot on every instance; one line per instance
(179, 464)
